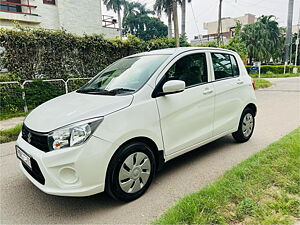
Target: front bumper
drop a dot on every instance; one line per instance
(74, 171)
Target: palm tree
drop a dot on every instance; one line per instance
(183, 15)
(175, 20)
(165, 6)
(130, 8)
(135, 8)
(116, 6)
(263, 39)
(272, 28)
(257, 42)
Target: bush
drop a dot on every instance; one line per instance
(270, 69)
(11, 98)
(35, 54)
(40, 92)
(44, 54)
(37, 92)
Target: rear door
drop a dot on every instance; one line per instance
(186, 118)
(227, 86)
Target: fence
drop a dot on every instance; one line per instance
(22, 96)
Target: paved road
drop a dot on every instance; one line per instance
(10, 123)
(21, 202)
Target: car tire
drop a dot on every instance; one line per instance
(130, 171)
(246, 126)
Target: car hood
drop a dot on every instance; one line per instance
(73, 107)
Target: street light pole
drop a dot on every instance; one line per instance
(297, 46)
(219, 23)
(288, 33)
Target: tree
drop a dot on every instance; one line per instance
(219, 23)
(175, 20)
(134, 8)
(272, 30)
(130, 8)
(183, 15)
(263, 39)
(236, 44)
(165, 6)
(116, 6)
(145, 27)
(137, 22)
(183, 41)
(254, 37)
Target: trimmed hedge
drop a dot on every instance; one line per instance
(11, 99)
(275, 69)
(37, 92)
(34, 54)
(44, 54)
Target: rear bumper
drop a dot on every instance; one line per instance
(76, 171)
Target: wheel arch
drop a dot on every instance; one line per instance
(253, 107)
(158, 153)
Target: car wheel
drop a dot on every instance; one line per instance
(246, 126)
(130, 171)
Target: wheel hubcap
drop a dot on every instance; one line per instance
(247, 124)
(134, 172)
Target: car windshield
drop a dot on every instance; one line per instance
(124, 76)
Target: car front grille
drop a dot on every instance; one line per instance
(36, 139)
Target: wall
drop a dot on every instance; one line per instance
(80, 17)
(228, 23)
(76, 16)
(48, 14)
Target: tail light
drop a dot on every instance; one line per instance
(253, 84)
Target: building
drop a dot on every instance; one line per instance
(75, 16)
(227, 28)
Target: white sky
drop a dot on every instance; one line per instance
(207, 10)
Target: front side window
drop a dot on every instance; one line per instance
(225, 66)
(125, 76)
(11, 7)
(191, 69)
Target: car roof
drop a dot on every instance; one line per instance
(171, 51)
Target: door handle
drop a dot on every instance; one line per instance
(208, 91)
(239, 82)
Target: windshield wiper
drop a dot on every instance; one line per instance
(104, 92)
(118, 90)
(95, 91)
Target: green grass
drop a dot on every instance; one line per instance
(7, 116)
(264, 189)
(261, 83)
(273, 75)
(10, 134)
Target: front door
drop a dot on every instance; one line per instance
(187, 117)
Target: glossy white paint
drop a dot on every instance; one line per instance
(176, 123)
(173, 86)
(73, 107)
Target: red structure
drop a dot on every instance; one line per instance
(15, 6)
(109, 21)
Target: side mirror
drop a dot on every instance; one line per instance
(173, 86)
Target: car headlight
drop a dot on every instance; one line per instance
(73, 134)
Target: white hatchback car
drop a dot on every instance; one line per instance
(115, 132)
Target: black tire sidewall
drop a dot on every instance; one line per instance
(239, 135)
(112, 177)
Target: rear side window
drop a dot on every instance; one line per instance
(225, 66)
